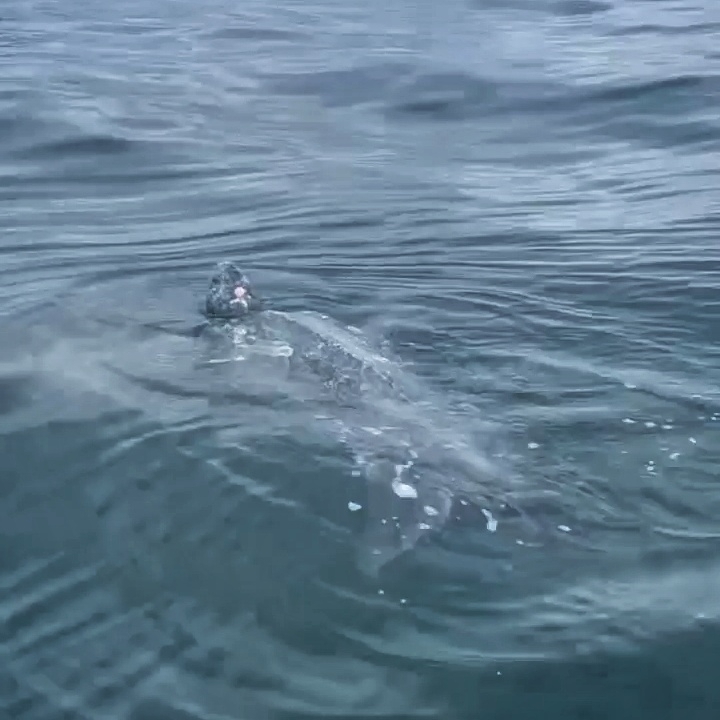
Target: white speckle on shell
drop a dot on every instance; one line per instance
(491, 521)
(404, 490)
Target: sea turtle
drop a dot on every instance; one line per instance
(418, 463)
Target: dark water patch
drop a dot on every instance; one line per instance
(662, 134)
(705, 224)
(341, 88)
(622, 685)
(671, 90)
(253, 32)
(572, 8)
(155, 709)
(21, 129)
(16, 390)
(128, 25)
(24, 182)
(85, 145)
(457, 96)
(691, 133)
(633, 110)
(520, 7)
(653, 30)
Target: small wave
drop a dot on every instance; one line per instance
(574, 8)
(341, 88)
(690, 87)
(78, 146)
(253, 33)
(655, 29)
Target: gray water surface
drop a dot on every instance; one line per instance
(515, 203)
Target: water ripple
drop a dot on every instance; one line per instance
(516, 201)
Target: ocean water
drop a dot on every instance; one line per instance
(514, 205)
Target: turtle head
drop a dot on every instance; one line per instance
(230, 295)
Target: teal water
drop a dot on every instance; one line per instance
(517, 206)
